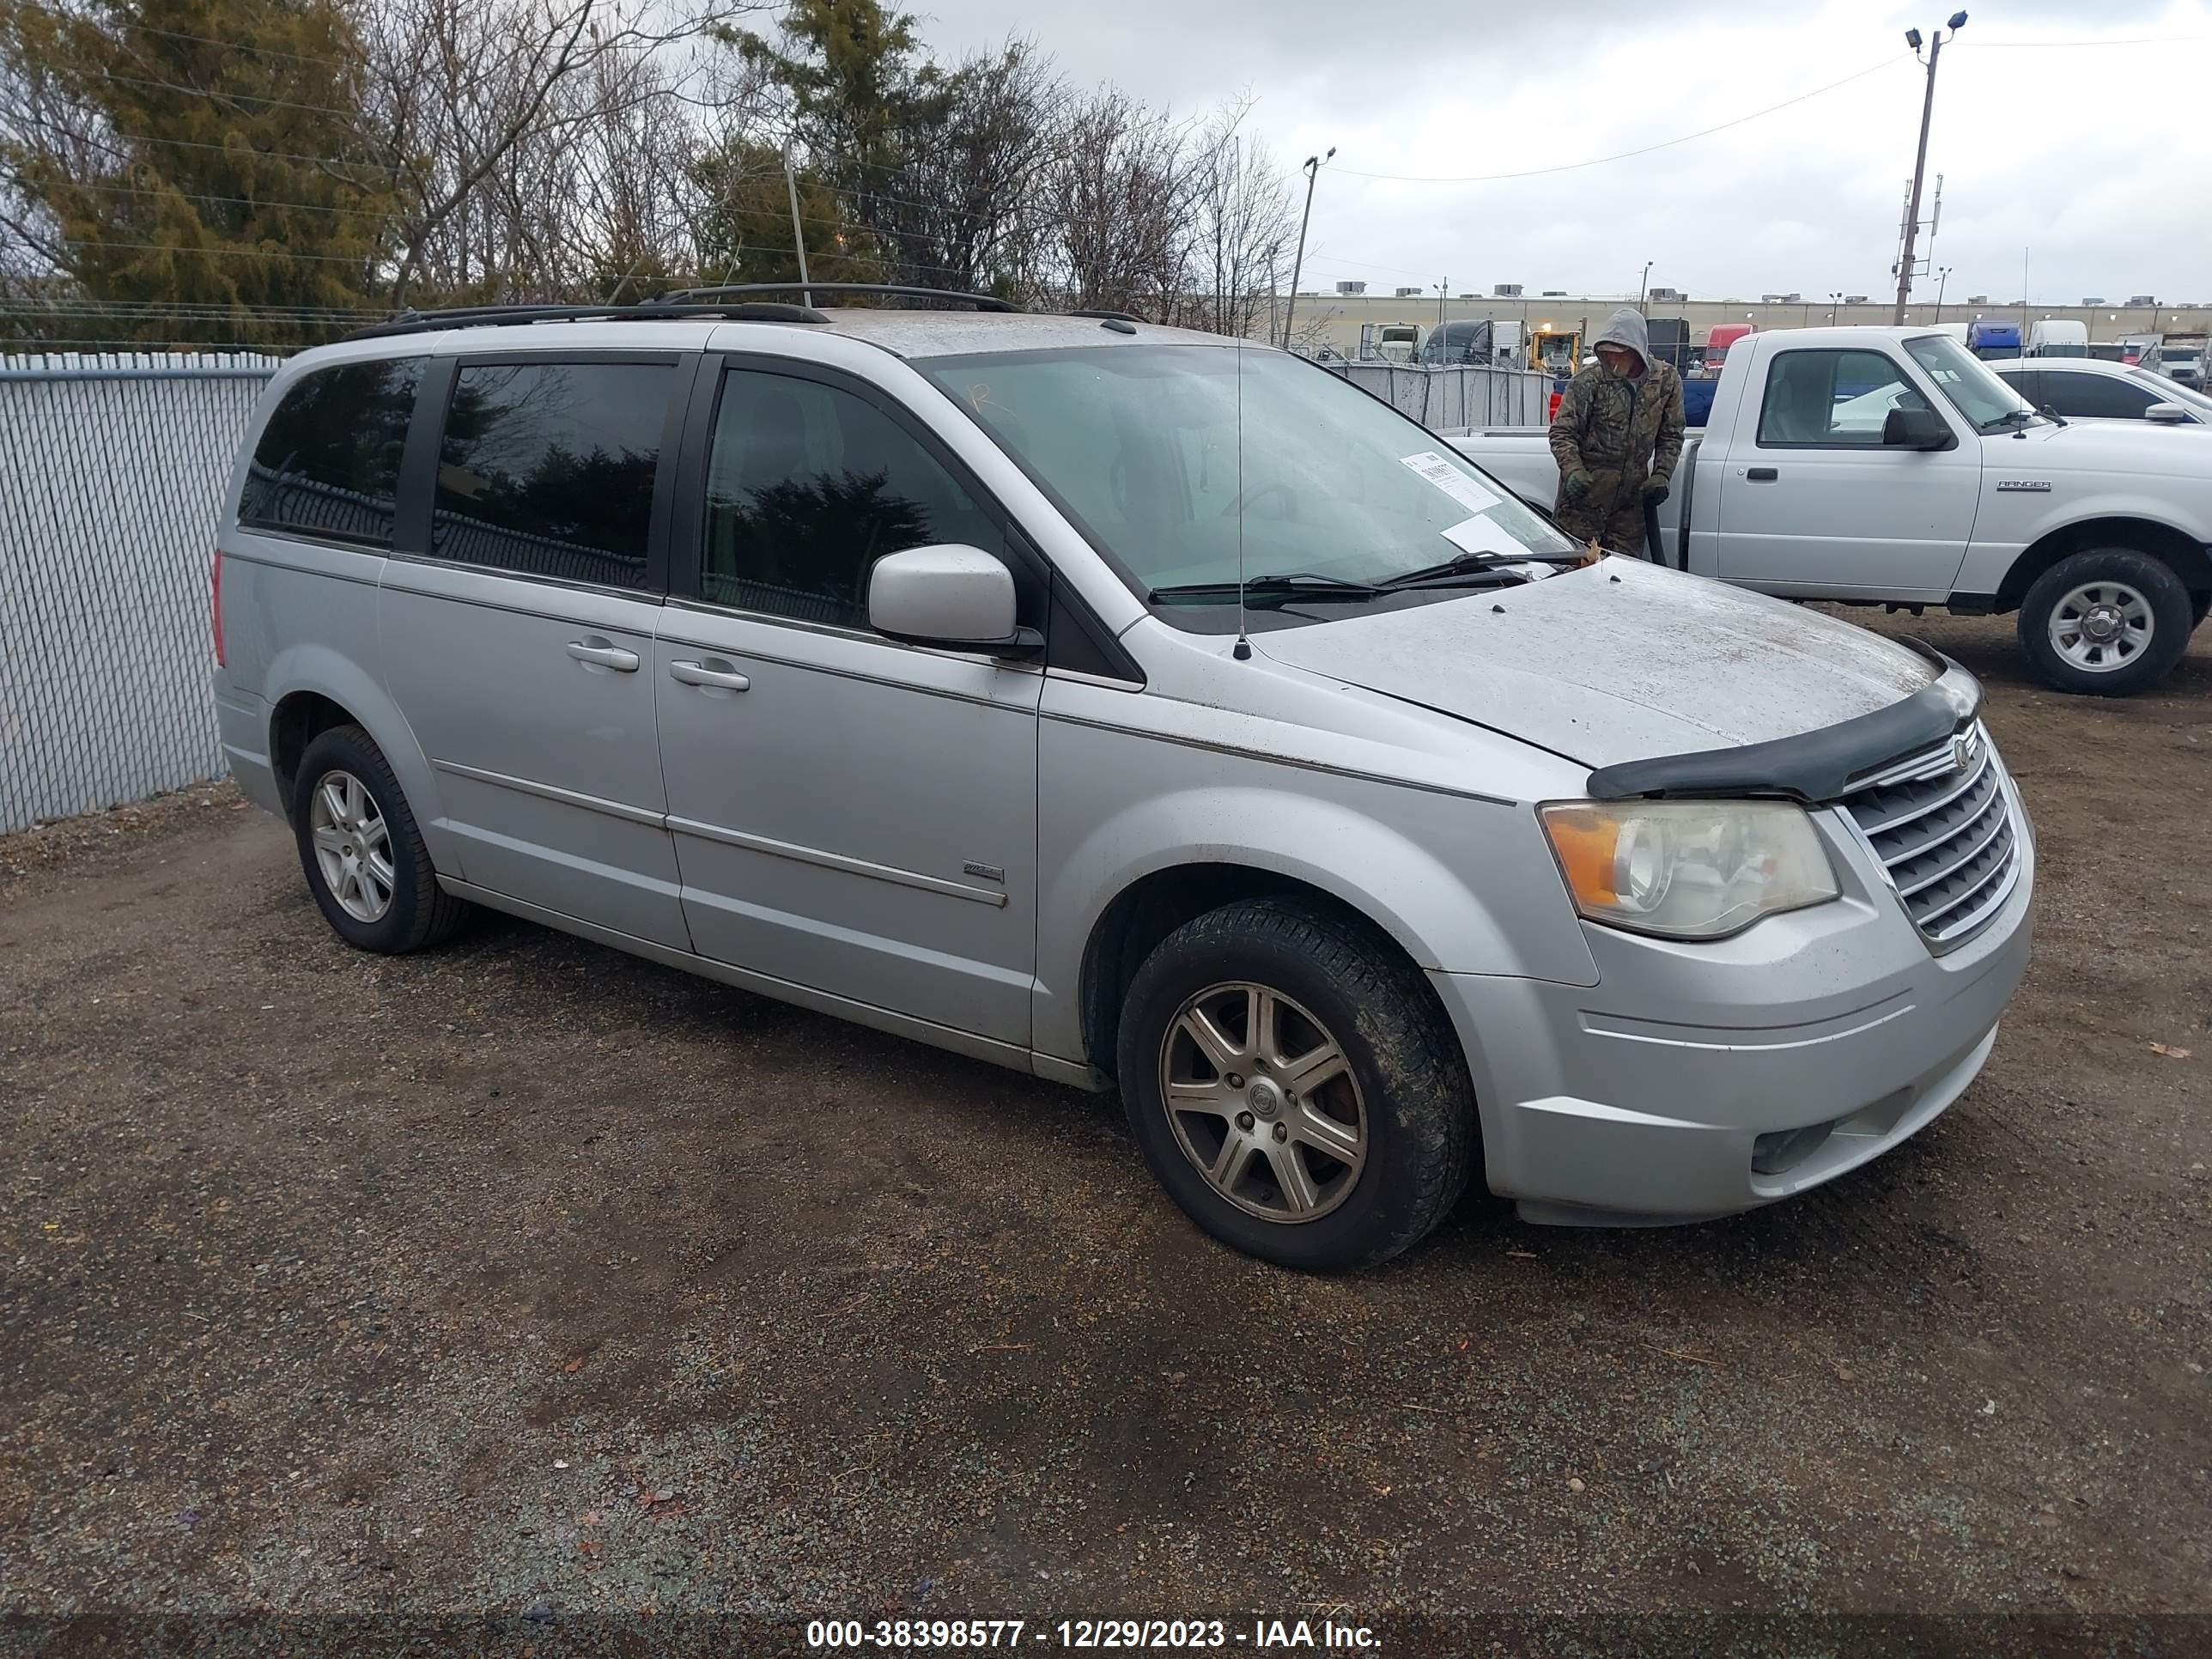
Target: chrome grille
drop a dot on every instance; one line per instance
(1947, 834)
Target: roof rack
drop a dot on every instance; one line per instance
(649, 311)
(980, 301)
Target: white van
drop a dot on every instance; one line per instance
(2055, 337)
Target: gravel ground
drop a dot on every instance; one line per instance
(525, 1277)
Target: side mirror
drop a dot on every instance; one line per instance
(948, 595)
(1916, 429)
(2167, 413)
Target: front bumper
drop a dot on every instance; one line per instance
(1649, 1097)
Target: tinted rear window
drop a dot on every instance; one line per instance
(328, 461)
(547, 469)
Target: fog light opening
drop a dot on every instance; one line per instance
(1785, 1149)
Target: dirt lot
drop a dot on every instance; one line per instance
(525, 1276)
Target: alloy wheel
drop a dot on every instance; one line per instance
(1263, 1102)
(353, 845)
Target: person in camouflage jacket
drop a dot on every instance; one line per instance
(1617, 437)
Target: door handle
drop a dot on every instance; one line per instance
(698, 673)
(1762, 475)
(597, 651)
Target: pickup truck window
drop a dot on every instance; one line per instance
(1831, 399)
(1972, 387)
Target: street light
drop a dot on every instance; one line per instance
(1958, 21)
(1313, 166)
(1643, 284)
(1835, 299)
(1942, 275)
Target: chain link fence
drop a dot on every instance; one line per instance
(111, 470)
(1455, 399)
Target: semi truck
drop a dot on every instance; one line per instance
(1718, 339)
(1988, 338)
(2058, 337)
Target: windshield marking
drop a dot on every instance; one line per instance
(1429, 466)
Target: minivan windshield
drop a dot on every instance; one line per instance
(1182, 461)
(1975, 390)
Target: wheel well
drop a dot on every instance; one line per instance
(2170, 547)
(298, 721)
(1148, 910)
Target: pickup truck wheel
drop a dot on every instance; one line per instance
(1295, 1087)
(364, 857)
(2105, 622)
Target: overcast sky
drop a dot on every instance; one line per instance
(2096, 158)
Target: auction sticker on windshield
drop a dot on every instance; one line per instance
(1444, 476)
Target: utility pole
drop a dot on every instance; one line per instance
(798, 231)
(1442, 288)
(1313, 166)
(1937, 37)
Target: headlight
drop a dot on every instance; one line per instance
(1687, 869)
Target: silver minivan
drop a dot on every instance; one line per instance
(1131, 706)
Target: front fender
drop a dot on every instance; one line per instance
(2009, 524)
(1463, 885)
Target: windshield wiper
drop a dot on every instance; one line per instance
(2015, 416)
(1279, 588)
(1474, 564)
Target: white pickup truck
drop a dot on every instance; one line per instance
(1889, 466)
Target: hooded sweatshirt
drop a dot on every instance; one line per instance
(1622, 430)
(1626, 328)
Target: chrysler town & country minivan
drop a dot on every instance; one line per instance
(1131, 706)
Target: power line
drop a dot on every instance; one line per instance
(230, 201)
(129, 310)
(240, 45)
(265, 154)
(279, 254)
(1626, 154)
(2138, 40)
(225, 97)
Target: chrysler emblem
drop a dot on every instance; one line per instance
(1962, 750)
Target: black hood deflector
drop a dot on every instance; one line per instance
(1818, 765)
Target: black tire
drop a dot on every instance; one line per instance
(2199, 602)
(2161, 592)
(1421, 1130)
(419, 913)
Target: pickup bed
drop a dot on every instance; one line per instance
(1889, 466)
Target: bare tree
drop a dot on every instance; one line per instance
(1119, 191)
(471, 101)
(1241, 227)
(962, 208)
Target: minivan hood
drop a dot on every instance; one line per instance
(1619, 661)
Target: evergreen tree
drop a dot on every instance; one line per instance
(744, 228)
(192, 160)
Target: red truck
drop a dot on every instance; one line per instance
(1718, 339)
